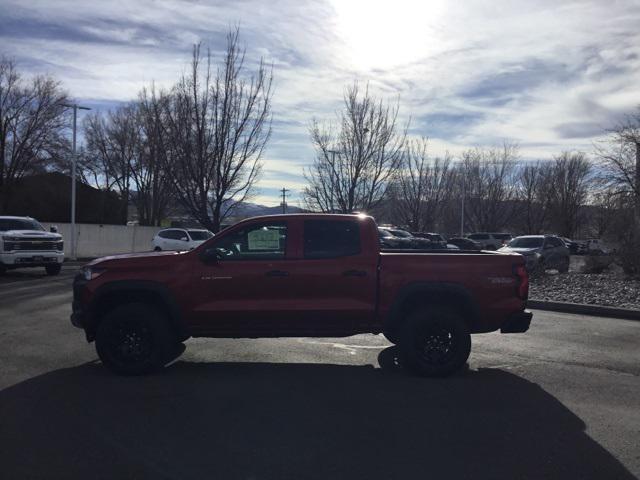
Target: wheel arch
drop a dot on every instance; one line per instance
(114, 294)
(424, 294)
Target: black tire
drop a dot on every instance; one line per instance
(157, 249)
(53, 269)
(434, 342)
(3, 269)
(563, 267)
(135, 339)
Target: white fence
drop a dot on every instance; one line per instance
(101, 240)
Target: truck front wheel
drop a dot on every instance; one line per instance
(135, 339)
(434, 342)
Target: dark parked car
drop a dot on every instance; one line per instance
(411, 241)
(389, 240)
(574, 247)
(491, 241)
(464, 243)
(540, 252)
(435, 238)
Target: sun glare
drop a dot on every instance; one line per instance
(381, 34)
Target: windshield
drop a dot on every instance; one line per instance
(385, 233)
(198, 235)
(401, 233)
(7, 224)
(526, 242)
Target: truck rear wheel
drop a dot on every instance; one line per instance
(434, 342)
(135, 339)
(53, 269)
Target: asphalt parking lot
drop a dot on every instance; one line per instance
(561, 401)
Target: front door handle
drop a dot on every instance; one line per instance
(354, 273)
(277, 273)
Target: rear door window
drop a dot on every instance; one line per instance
(331, 238)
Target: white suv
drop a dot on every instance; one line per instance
(179, 239)
(25, 243)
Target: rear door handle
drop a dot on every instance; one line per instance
(277, 273)
(354, 273)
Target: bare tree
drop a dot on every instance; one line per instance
(570, 187)
(113, 144)
(152, 182)
(357, 155)
(534, 184)
(486, 177)
(32, 123)
(619, 157)
(216, 127)
(422, 187)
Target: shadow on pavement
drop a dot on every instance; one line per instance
(298, 421)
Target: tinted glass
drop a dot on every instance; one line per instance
(554, 242)
(199, 235)
(331, 238)
(384, 233)
(401, 233)
(265, 241)
(526, 242)
(174, 234)
(479, 236)
(7, 224)
(502, 236)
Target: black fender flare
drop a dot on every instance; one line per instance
(140, 288)
(425, 293)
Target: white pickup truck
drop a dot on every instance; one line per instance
(25, 243)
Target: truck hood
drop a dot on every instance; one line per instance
(31, 234)
(128, 257)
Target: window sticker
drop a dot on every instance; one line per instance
(264, 239)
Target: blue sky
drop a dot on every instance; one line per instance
(548, 75)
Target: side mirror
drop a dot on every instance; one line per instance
(547, 246)
(184, 239)
(53, 229)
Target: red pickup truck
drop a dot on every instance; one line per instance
(305, 275)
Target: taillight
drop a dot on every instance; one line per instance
(522, 290)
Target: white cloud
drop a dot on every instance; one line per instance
(544, 74)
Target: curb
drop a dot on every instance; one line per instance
(580, 308)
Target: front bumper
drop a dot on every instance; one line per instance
(78, 312)
(517, 322)
(31, 258)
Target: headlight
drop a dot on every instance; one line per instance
(89, 273)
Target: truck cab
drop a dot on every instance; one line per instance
(25, 243)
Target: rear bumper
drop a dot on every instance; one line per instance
(517, 322)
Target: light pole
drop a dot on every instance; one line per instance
(464, 186)
(74, 242)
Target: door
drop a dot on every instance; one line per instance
(248, 287)
(334, 281)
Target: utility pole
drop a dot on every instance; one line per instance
(74, 240)
(284, 199)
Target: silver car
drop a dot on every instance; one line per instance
(540, 252)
